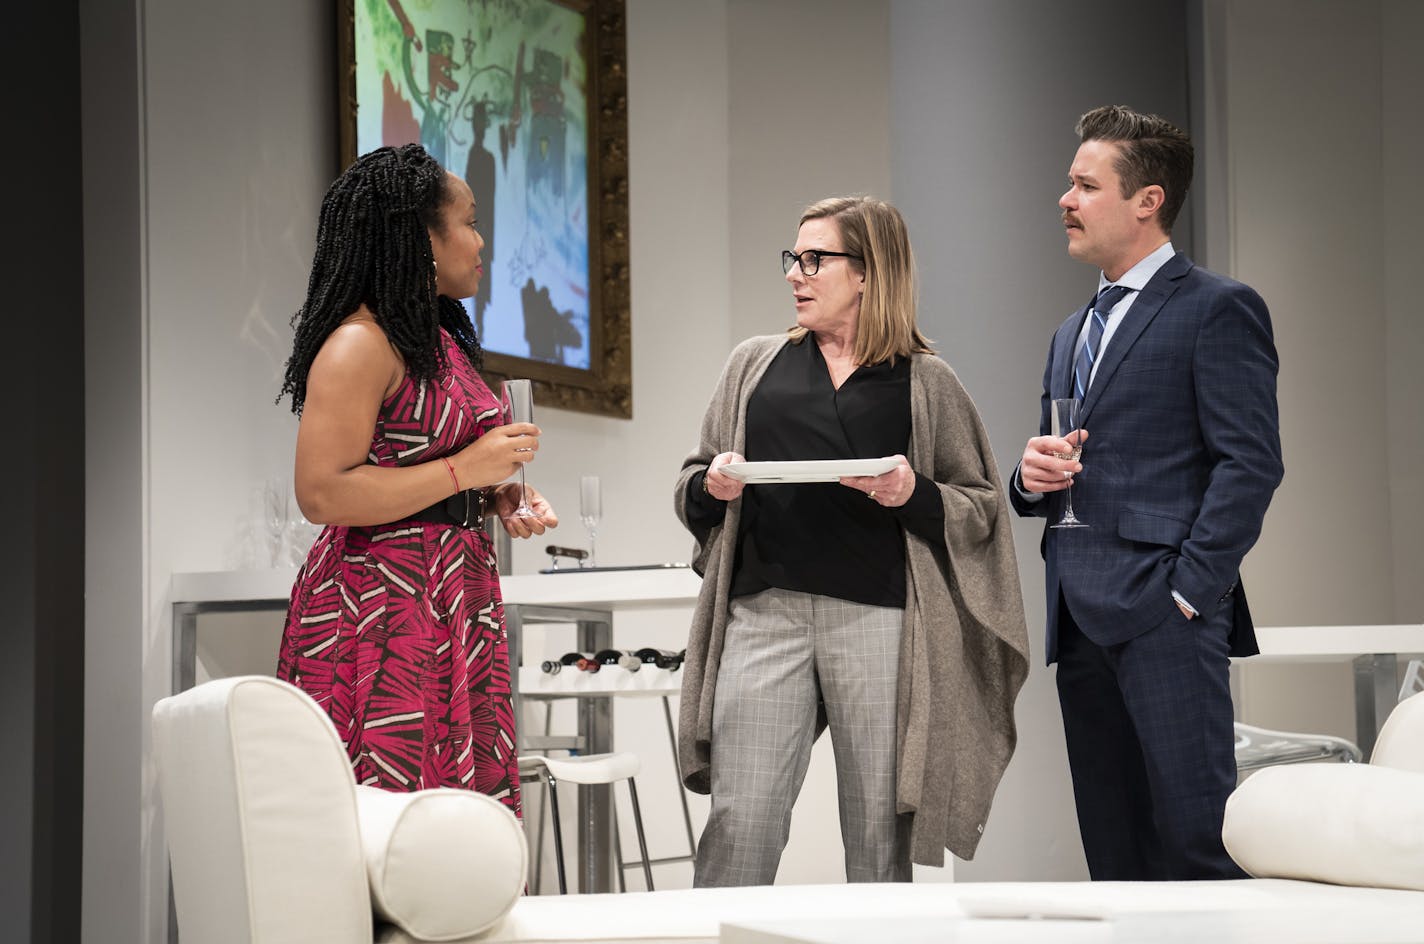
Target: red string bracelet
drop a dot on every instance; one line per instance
(451, 469)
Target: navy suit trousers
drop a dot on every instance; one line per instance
(1151, 747)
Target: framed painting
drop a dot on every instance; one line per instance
(525, 99)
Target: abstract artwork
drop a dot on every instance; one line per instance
(525, 99)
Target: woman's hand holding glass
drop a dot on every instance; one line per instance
(890, 489)
(506, 502)
(496, 455)
(720, 485)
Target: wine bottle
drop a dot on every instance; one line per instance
(671, 661)
(662, 658)
(555, 666)
(650, 656)
(599, 659)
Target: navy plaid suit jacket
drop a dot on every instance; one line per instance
(1182, 457)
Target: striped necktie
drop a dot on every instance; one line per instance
(1089, 352)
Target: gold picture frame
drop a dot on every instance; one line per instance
(569, 71)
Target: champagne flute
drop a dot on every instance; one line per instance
(275, 510)
(590, 510)
(1064, 417)
(517, 400)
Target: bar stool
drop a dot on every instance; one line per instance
(1262, 747)
(1413, 679)
(587, 770)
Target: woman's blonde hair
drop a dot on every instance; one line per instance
(875, 231)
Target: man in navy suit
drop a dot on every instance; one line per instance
(1175, 369)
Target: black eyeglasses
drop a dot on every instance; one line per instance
(810, 259)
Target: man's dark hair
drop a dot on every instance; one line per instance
(373, 248)
(1154, 151)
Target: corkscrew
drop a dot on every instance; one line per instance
(573, 553)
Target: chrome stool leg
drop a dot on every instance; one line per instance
(618, 854)
(553, 788)
(638, 827)
(539, 843)
(677, 775)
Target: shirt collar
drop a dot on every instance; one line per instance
(1139, 275)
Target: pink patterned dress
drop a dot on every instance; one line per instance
(397, 630)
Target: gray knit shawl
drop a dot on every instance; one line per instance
(964, 647)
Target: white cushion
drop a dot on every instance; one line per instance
(1350, 824)
(585, 768)
(443, 864)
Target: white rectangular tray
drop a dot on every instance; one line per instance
(811, 470)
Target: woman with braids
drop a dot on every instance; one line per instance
(395, 624)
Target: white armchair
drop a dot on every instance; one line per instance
(271, 840)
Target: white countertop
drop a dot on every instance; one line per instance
(233, 586)
(619, 589)
(1336, 643)
(674, 587)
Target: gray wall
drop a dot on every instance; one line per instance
(800, 132)
(1320, 121)
(984, 99)
(115, 486)
(1308, 235)
(1402, 154)
(208, 135)
(1309, 118)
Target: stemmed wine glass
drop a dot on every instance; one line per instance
(1064, 417)
(517, 401)
(275, 511)
(590, 510)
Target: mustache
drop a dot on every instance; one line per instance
(1068, 219)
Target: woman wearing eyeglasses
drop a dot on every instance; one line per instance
(886, 607)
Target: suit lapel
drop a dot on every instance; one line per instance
(1145, 307)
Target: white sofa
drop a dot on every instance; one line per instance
(271, 841)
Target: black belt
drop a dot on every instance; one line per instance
(464, 509)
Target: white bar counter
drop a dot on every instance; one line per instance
(1373, 650)
(1336, 643)
(601, 590)
(607, 588)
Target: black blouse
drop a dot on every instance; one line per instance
(825, 538)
